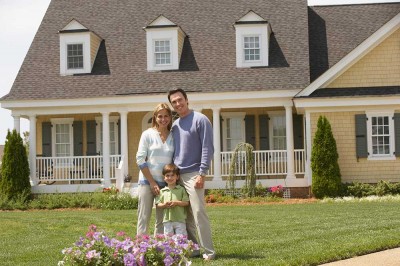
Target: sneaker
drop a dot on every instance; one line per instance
(209, 256)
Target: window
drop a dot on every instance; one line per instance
(62, 135)
(162, 50)
(380, 132)
(233, 129)
(278, 132)
(251, 48)
(113, 135)
(75, 56)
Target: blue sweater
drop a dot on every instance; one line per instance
(193, 141)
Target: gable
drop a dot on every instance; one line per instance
(380, 67)
(162, 21)
(74, 25)
(251, 16)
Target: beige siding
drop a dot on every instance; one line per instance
(361, 170)
(134, 132)
(181, 40)
(380, 67)
(94, 47)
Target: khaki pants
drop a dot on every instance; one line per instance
(197, 220)
(145, 206)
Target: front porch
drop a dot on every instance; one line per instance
(88, 173)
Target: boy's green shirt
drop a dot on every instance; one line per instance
(177, 213)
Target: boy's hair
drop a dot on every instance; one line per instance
(171, 168)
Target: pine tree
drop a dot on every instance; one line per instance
(326, 177)
(14, 180)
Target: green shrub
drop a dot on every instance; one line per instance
(14, 181)
(359, 190)
(326, 177)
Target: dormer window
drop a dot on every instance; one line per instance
(164, 44)
(252, 41)
(162, 50)
(74, 56)
(78, 49)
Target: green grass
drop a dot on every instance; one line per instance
(273, 234)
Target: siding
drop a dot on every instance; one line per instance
(380, 67)
(94, 47)
(363, 170)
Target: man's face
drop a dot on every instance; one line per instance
(179, 103)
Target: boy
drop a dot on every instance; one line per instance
(173, 199)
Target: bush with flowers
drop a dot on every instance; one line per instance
(99, 249)
(276, 191)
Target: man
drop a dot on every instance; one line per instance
(193, 140)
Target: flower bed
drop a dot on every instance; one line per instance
(99, 249)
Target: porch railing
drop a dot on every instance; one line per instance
(267, 163)
(71, 169)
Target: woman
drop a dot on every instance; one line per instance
(155, 150)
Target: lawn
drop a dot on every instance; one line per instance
(272, 234)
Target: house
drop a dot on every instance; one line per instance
(262, 71)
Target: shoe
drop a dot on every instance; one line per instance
(207, 257)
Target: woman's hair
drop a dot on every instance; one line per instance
(158, 108)
(171, 168)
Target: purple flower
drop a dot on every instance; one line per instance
(92, 254)
(168, 261)
(129, 260)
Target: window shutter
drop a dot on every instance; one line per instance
(46, 139)
(91, 137)
(397, 134)
(78, 138)
(361, 136)
(221, 135)
(119, 136)
(264, 132)
(250, 130)
(298, 136)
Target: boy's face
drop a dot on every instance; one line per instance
(170, 178)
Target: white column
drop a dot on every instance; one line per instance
(308, 172)
(32, 149)
(289, 143)
(17, 123)
(124, 140)
(106, 149)
(217, 144)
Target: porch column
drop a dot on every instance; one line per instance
(308, 172)
(17, 123)
(124, 140)
(106, 149)
(289, 143)
(217, 144)
(32, 149)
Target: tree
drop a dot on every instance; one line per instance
(326, 177)
(14, 180)
(243, 151)
(26, 141)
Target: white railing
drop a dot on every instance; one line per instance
(266, 163)
(72, 169)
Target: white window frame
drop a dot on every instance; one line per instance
(155, 53)
(83, 57)
(61, 121)
(99, 128)
(259, 48)
(75, 38)
(263, 31)
(230, 115)
(390, 115)
(273, 115)
(162, 34)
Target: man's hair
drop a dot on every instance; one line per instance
(171, 168)
(175, 90)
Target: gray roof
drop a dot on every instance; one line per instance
(336, 30)
(208, 61)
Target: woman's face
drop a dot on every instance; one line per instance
(163, 118)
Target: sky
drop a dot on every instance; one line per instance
(20, 19)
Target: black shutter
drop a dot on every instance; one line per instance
(221, 135)
(397, 133)
(298, 136)
(361, 136)
(119, 136)
(263, 121)
(46, 139)
(250, 127)
(78, 138)
(91, 137)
